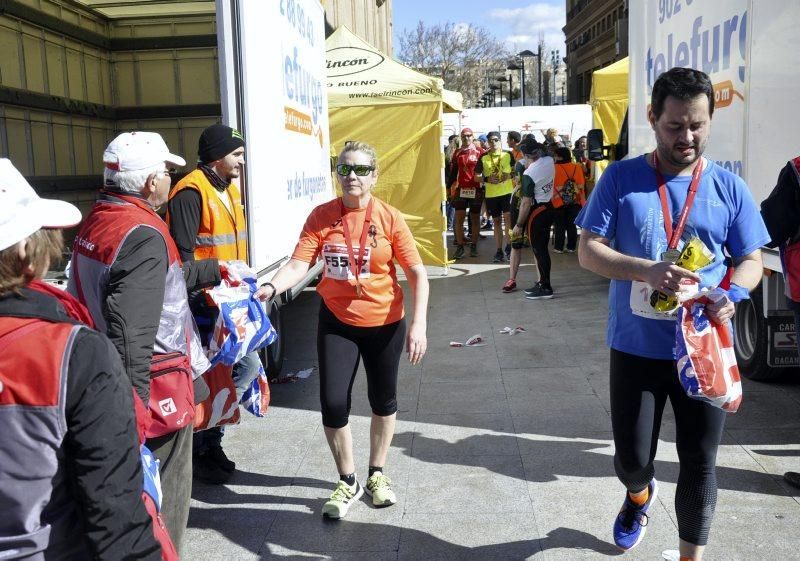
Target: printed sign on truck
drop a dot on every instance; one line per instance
(708, 36)
(280, 98)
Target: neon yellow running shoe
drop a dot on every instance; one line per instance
(379, 487)
(341, 500)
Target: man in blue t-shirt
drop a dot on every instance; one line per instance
(626, 226)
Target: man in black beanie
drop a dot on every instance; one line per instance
(206, 220)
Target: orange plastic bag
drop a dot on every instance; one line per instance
(221, 406)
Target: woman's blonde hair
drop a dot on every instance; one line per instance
(358, 146)
(42, 249)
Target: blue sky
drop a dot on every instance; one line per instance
(516, 22)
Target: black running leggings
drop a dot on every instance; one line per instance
(339, 348)
(539, 223)
(639, 390)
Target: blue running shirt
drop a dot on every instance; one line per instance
(625, 208)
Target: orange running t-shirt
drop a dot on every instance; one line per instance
(388, 238)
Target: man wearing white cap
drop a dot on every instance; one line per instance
(127, 271)
(69, 459)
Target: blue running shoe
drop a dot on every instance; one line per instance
(631, 523)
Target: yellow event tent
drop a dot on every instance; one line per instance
(374, 99)
(609, 101)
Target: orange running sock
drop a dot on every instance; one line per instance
(640, 499)
(684, 558)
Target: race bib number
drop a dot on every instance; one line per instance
(641, 300)
(337, 262)
(468, 192)
(640, 303)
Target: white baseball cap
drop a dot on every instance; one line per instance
(23, 212)
(132, 151)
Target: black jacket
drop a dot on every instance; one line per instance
(781, 210)
(101, 449)
(135, 296)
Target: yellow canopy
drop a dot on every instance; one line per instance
(375, 99)
(609, 101)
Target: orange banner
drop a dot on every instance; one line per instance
(724, 93)
(297, 121)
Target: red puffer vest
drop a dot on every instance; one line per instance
(95, 250)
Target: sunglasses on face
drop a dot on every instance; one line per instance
(360, 169)
(493, 139)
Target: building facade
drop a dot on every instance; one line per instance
(597, 35)
(371, 20)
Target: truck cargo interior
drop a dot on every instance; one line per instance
(75, 73)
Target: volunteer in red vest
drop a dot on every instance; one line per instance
(469, 193)
(69, 453)
(127, 272)
(569, 196)
(206, 220)
(361, 316)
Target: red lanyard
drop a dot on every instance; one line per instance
(673, 237)
(355, 266)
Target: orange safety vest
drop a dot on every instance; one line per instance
(221, 235)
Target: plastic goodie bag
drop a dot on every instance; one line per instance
(242, 326)
(704, 354)
(256, 398)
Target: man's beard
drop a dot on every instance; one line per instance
(671, 153)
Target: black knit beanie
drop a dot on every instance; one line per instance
(217, 141)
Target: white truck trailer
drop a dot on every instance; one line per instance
(75, 73)
(746, 47)
(273, 89)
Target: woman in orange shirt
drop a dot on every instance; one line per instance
(361, 315)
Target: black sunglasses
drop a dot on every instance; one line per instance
(361, 170)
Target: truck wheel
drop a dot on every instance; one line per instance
(274, 353)
(751, 339)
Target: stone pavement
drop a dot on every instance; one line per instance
(502, 452)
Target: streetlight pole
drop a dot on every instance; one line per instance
(554, 55)
(494, 88)
(539, 63)
(527, 54)
(514, 66)
(503, 79)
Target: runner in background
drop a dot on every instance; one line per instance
(568, 198)
(496, 169)
(468, 195)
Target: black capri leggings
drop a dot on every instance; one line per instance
(339, 348)
(539, 223)
(639, 390)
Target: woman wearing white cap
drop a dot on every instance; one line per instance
(67, 491)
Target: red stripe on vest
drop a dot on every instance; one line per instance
(31, 378)
(109, 223)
